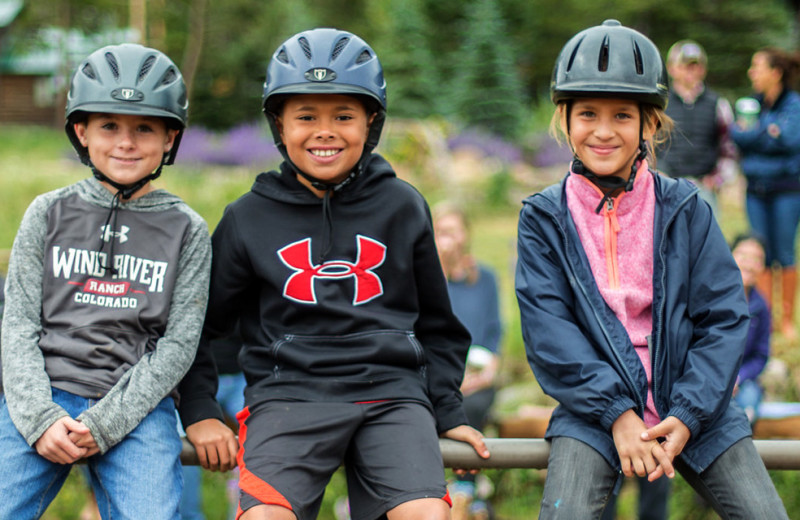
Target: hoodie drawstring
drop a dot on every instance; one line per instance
(327, 225)
(107, 232)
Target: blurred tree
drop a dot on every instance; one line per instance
(223, 47)
(486, 90)
(409, 68)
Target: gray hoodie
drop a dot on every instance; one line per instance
(125, 339)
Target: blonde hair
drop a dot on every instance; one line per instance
(649, 114)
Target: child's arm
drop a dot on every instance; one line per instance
(158, 372)
(25, 382)
(200, 412)
(566, 365)
(719, 317)
(443, 338)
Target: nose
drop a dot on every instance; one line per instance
(324, 130)
(127, 138)
(604, 128)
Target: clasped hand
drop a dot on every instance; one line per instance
(66, 441)
(641, 453)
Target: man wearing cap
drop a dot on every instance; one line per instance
(700, 148)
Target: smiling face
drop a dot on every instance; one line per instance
(324, 134)
(125, 148)
(605, 134)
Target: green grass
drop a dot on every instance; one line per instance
(35, 160)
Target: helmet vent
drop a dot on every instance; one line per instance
(282, 57)
(574, 53)
(146, 66)
(637, 58)
(339, 47)
(169, 76)
(88, 71)
(602, 62)
(112, 63)
(305, 46)
(363, 57)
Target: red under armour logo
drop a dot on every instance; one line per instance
(300, 285)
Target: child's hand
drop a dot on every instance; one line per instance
(215, 444)
(55, 444)
(470, 435)
(676, 434)
(638, 455)
(85, 440)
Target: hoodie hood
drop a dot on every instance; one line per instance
(157, 200)
(283, 185)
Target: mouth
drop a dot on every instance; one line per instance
(324, 152)
(126, 160)
(602, 150)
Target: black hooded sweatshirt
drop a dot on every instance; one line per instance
(345, 305)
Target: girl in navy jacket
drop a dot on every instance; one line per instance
(633, 312)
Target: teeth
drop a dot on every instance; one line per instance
(324, 153)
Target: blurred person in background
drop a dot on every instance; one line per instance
(700, 148)
(474, 296)
(768, 137)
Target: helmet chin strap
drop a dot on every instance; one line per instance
(126, 191)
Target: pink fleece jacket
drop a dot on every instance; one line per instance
(619, 244)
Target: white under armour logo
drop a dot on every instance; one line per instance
(106, 233)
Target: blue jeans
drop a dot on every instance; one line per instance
(775, 217)
(580, 483)
(653, 500)
(138, 478)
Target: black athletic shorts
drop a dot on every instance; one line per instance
(290, 449)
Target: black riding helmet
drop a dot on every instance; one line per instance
(127, 79)
(612, 61)
(325, 61)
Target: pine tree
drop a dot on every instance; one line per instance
(408, 62)
(487, 91)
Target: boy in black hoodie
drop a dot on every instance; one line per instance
(351, 351)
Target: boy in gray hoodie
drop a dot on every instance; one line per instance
(106, 292)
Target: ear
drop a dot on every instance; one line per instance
(650, 127)
(172, 133)
(80, 132)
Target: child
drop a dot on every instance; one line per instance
(749, 253)
(351, 351)
(106, 293)
(633, 312)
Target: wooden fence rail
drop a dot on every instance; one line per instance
(533, 453)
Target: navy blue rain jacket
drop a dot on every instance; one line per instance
(581, 353)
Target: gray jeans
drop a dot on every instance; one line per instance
(580, 482)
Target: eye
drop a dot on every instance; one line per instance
(586, 113)
(344, 117)
(109, 125)
(305, 117)
(144, 128)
